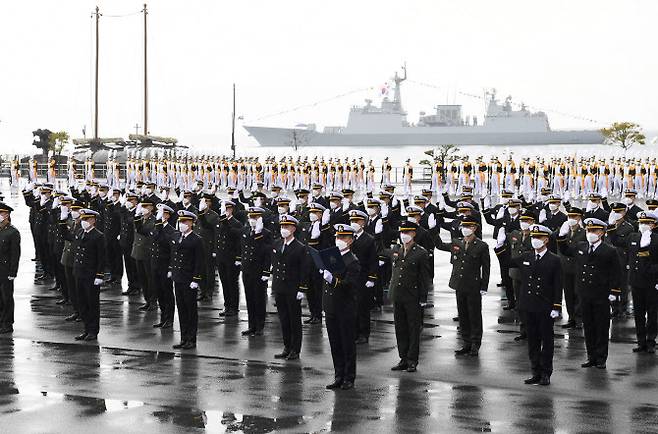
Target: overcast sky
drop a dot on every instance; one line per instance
(593, 59)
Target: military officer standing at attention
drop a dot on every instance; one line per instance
(144, 227)
(540, 297)
(339, 301)
(256, 263)
(619, 230)
(470, 279)
(164, 237)
(10, 253)
(88, 270)
(598, 286)
(289, 282)
(410, 283)
(186, 267)
(126, 240)
(228, 258)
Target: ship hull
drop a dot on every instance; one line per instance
(268, 136)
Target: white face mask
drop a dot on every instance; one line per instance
(313, 217)
(371, 212)
(524, 226)
(345, 201)
(252, 223)
(258, 202)
(627, 201)
(85, 225)
(316, 193)
(467, 232)
(342, 245)
(285, 233)
(130, 205)
(356, 226)
(149, 191)
(513, 211)
(203, 205)
(572, 222)
(592, 204)
(281, 209)
(537, 243)
(93, 190)
(553, 206)
(333, 204)
(643, 227)
(75, 214)
(275, 194)
(183, 227)
(186, 201)
(102, 194)
(405, 238)
(592, 237)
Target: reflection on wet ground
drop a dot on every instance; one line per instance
(132, 381)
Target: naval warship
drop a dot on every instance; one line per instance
(387, 125)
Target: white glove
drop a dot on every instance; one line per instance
(542, 216)
(98, 282)
(55, 203)
(203, 205)
(29, 187)
(118, 237)
(483, 292)
(612, 219)
(315, 230)
(431, 221)
(345, 205)
(327, 276)
(214, 255)
(13, 277)
(370, 284)
(487, 202)
(645, 239)
(64, 213)
(612, 298)
(379, 226)
(292, 205)
(264, 278)
(236, 194)
(300, 295)
(381, 263)
(194, 285)
(564, 229)
(501, 213)
(326, 216)
(259, 226)
(384, 210)
(168, 274)
(139, 210)
(567, 196)
(656, 287)
(500, 239)
(555, 314)
(394, 202)
(237, 263)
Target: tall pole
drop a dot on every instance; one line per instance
(96, 80)
(146, 101)
(233, 124)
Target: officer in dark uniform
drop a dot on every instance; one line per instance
(164, 238)
(126, 239)
(289, 282)
(207, 227)
(317, 195)
(379, 228)
(365, 250)
(186, 268)
(597, 208)
(256, 263)
(555, 217)
(470, 279)
(112, 232)
(339, 301)
(336, 209)
(572, 233)
(464, 209)
(598, 286)
(187, 203)
(10, 253)
(630, 197)
(643, 279)
(228, 258)
(540, 299)
(72, 222)
(59, 243)
(410, 283)
(619, 229)
(652, 204)
(145, 228)
(88, 270)
(42, 206)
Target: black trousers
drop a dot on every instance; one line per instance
(145, 279)
(314, 294)
(469, 310)
(507, 284)
(539, 327)
(89, 301)
(207, 285)
(229, 274)
(60, 277)
(44, 256)
(131, 268)
(596, 324)
(188, 315)
(6, 303)
(407, 317)
(73, 292)
(383, 279)
(341, 341)
(114, 253)
(290, 317)
(570, 296)
(255, 292)
(645, 309)
(363, 306)
(164, 290)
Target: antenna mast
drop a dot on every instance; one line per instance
(97, 13)
(146, 101)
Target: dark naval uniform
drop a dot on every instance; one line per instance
(10, 252)
(365, 249)
(164, 238)
(126, 239)
(256, 263)
(227, 249)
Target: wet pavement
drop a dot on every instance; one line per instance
(132, 381)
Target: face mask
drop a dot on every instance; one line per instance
(130, 205)
(333, 204)
(159, 215)
(537, 243)
(85, 225)
(342, 245)
(372, 212)
(285, 233)
(313, 217)
(592, 237)
(275, 194)
(116, 199)
(405, 238)
(258, 202)
(345, 201)
(316, 193)
(202, 205)
(553, 206)
(252, 223)
(467, 232)
(102, 194)
(183, 227)
(75, 214)
(186, 201)
(281, 209)
(524, 226)
(627, 201)
(513, 211)
(643, 227)
(572, 222)
(149, 191)
(356, 226)
(146, 211)
(592, 204)
(93, 191)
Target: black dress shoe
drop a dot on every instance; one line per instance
(189, 345)
(535, 379)
(152, 307)
(203, 298)
(91, 337)
(316, 320)
(80, 337)
(462, 351)
(412, 367)
(347, 385)
(61, 301)
(308, 320)
(166, 324)
(509, 307)
(144, 307)
(4, 330)
(71, 317)
(401, 366)
(588, 364)
(178, 346)
(455, 318)
(651, 349)
(282, 355)
(335, 385)
(258, 332)
(569, 325)
(545, 380)
(130, 291)
(157, 325)
(361, 340)
(474, 352)
(520, 337)
(247, 332)
(78, 319)
(54, 288)
(231, 313)
(640, 349)
(294, 355)
(600, 365)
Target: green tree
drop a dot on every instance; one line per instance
(623, 135)
(441, 153)
(57, 141)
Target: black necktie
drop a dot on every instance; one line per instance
(538, 257)
(591, 249)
